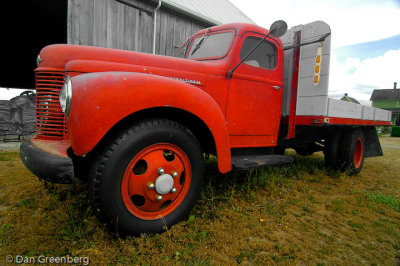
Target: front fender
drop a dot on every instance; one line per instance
(100, 100)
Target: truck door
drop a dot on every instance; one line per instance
(255, 93)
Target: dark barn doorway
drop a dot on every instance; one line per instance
(28, 26)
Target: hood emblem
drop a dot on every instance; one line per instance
(191, 81)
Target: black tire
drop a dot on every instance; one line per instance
(353, 151)
(111, 165)
(332, 150)
(304, 151)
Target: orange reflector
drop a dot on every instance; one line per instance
(317, 69)
(316, 79)
(318, 59)
(317, 121)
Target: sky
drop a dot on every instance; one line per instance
(365, 38)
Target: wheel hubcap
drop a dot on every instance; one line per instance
(156, 181)
(164, 184)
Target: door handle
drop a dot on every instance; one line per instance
(276, 87)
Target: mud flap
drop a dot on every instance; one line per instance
(372, 144)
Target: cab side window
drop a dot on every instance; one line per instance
(264, 56)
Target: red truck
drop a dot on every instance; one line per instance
(137, 125)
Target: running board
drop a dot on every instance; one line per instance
(246, 162)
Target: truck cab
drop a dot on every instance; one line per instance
(136, 125)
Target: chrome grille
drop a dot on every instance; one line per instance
(50, 120)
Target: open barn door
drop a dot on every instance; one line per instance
(28, 26)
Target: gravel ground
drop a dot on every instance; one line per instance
(9, 146)
(12, 143)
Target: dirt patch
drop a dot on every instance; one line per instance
(299, 213)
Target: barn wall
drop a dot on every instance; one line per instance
(108, 23)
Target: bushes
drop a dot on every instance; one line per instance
(395, 131)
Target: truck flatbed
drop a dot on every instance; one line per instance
(306, 78)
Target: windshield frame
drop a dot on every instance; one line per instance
(191, 42)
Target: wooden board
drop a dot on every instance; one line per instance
(108, 23)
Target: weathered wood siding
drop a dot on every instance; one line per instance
(108, 23)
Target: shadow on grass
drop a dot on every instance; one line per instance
(222, 187)
(308, 168)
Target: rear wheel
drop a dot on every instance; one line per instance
(353, 151)
(148, 178)
(333, 151)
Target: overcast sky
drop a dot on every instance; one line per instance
(365, 38)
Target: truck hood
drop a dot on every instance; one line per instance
(85, 59)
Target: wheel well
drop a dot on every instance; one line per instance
(196, 126)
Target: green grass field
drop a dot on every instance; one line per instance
(299, 213)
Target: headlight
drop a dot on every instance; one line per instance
(38, 60)
(66, 96)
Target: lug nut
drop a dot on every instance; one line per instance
(173, 190)
(174, 174)
(161, 171)
(159, 197)
(150, 185)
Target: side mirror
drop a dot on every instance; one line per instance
(278, 28)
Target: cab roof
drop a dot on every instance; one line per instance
(240, 28)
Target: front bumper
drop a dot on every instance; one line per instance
(46, 166)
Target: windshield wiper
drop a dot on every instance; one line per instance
(198, 45)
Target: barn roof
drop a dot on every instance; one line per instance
(386, 95)
(213, 12)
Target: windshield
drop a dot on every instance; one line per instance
(212, 46)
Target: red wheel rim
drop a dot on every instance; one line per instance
(358, 153)
(140, 197)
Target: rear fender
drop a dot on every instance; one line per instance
(100, 100)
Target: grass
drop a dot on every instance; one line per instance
(388, 200)
(294, 214)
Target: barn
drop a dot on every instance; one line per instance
(139, 25)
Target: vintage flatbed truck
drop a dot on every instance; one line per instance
(137, 125)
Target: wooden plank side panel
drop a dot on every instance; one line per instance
(115, 25)
(169, 45)
(162, 33)
(100, 23)
(158, 32)
(73, 21)
(137, 43)
(177, 32)
(195, 27)
(129, 28)
(147, 34)
(108, 23)
(86, 20)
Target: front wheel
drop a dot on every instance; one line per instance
(148, 178)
